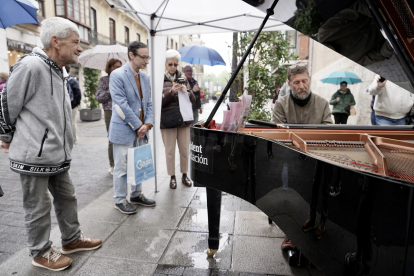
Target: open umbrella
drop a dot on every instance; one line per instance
(339, 76)
(97, 57)
(196, 54)
(14, 12)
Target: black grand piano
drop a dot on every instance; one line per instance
(371, 223)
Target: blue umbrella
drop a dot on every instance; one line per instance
(196, 54)
(14, 12)
(339, 76)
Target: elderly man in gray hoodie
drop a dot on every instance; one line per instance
(36, 115)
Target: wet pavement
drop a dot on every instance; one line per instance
(169, 239)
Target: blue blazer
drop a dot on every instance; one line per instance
(126, 105)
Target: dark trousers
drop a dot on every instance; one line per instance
(108, 115)
(341, 118)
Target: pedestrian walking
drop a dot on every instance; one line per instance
(342, 100)
(37, 106)
(103, 96)
(133, 118)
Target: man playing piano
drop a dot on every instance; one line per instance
(301, 106)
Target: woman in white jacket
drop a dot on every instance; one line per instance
(392, 103)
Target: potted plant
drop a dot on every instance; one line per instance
(92, 112)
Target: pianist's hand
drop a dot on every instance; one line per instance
(338, 99)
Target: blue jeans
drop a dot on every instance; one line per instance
(384, 121)
(120, 172)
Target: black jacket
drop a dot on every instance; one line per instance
(77, 94)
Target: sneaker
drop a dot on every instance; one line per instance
(142, 200)
(319, 230)
(308, 225)
(52, 260)
(111, 170)
(82, 244)
(125, 207)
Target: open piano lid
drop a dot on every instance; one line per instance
(377, 34)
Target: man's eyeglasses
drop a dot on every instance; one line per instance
(299, 65)
(144, 57)
(172, 64)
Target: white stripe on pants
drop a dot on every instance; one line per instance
(171, 136)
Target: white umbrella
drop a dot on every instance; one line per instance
(97, 57)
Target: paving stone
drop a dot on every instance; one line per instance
(197, 220)
(193, 271)
(255, 224)
(115, 267)
(169, 270)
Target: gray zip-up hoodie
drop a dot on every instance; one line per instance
(35, 102)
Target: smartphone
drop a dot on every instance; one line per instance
(382, 79)
(181, 81)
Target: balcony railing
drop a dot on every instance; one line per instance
(96, 38)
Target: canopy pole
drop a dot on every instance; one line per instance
(269, 12)
(152, 34)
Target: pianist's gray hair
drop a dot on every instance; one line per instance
(173, 54)
(297, 69)
(56, 26)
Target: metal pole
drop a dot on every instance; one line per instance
(152, 34)
(240, 65)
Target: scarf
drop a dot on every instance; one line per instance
(171, 78)
(300, 102)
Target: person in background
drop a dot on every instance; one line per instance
(181, 134)
(36, 90)
(75, 95)
(392, 103)
(3, 79)
(342, 100)
(103, 96)
(202, 98)
(188, 72)
(285, 89)
(373, 121)
(130, 122)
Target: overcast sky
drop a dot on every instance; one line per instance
(220, 43)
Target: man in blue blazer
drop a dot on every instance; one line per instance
(132, 118)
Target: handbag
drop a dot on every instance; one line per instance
(348, 108)
(172, 117)
(140, 165)
(353, 110)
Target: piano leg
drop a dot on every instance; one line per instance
(213, 212)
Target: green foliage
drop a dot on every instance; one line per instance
(270, 51)
(91, 78)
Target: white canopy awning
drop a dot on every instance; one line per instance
(176, 17)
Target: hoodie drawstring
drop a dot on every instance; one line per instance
(51, 80)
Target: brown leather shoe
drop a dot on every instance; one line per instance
(186, 181)
(173, 182)
(308, 225)
(52, 260)
(82, 244)
(319, 230)
(287, 244)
